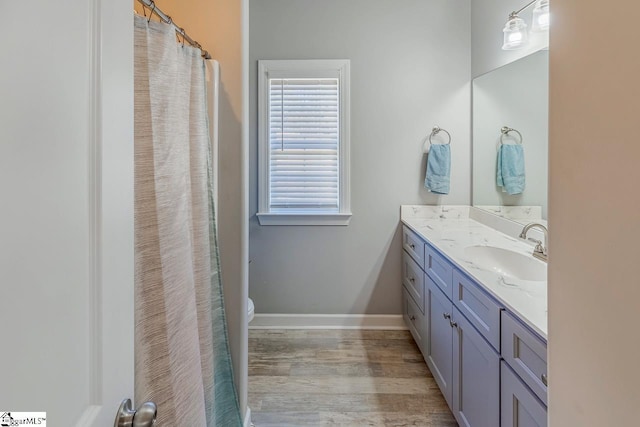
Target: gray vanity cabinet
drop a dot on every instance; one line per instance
(489, 366)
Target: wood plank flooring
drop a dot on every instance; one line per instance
(341, 378)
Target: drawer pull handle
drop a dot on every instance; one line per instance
(453, 323)
(412, 246)
(412, 280)
(446, 315)
(412, 317)
(543, 377)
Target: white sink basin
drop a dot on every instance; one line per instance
(507, 263)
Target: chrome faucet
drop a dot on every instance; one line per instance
(540, 251)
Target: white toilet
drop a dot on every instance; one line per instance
(250, 310)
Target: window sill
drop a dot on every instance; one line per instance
(304, 219)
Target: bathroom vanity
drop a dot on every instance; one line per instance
(475, 301)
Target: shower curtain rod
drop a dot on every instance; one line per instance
(167, 19)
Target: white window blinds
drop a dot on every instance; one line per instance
(303, 142)
(304, 138)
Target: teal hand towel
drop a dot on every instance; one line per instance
(510, 171)
(438, 169)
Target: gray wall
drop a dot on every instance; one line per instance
(516, 95)
(410, 69)
(487, 21)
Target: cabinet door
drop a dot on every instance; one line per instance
(414, 319)
(476, 376)
(519, 405)
(439, 338)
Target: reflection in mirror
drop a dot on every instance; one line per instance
(515, 96)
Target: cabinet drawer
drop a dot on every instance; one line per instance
(413, 280)
(519, 407)
(439, 269)
(413, 245)
(526, 354)
(413, 318)
(478, 307)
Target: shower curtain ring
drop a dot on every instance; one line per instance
(153, 4)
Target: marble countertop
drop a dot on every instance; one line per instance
(451, 230)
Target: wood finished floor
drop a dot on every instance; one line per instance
(341, 378)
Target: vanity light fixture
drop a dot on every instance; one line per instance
(541, 16)
(515, 30)
(515, 33)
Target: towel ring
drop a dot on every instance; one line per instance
(436, 130)
(505, 131)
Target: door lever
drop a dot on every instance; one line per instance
(145, 416)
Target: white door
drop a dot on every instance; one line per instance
(66, 209)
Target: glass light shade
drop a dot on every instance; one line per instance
(541, 17)
(515, 33)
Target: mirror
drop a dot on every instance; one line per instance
(516, 96)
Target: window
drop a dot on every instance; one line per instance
(303, 139)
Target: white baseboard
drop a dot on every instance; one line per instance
(328, 321)
(247, 418)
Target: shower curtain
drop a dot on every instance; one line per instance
(181, 346)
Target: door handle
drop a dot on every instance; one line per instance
(144, 416)
(543, 377)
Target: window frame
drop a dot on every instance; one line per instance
(292, 69)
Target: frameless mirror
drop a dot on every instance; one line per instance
(510, 181)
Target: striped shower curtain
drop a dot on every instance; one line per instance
(182, 353)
